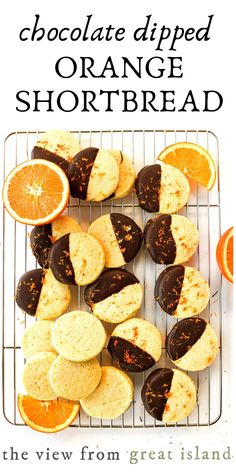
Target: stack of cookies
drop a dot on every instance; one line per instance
(94, 174)
(61, 362)
(61, 349)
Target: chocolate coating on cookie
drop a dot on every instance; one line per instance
(111, 281)
(168, 288)
(40, 243)
(159, 240)
(155, 392)
(147, 185)
(128, 356)
(28, 290)
(42, 153)
(128, 235)
(59, 261)
(183, 336)
(80, 170)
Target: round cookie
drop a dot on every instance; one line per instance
(182, 291)
(74, 380)
(135, 345)
(120, 237)
(115, 296)
(39, 294)
(192, 344)
(170, 239)
(161, 188)
(36, 376)
(93, 174)
(37, 338)
(76, 259)
(126, 176)
(57, 146)
(112, 396)
(116, 154)
(42, 237)
(78, 336)
(168, 395)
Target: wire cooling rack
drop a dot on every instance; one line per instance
(203, 208)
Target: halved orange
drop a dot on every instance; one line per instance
(193, 160)
(47, 417)
(36, 192)
(224, 254)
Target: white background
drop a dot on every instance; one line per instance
(208, 65)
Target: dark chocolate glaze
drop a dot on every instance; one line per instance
(79, 172)
(111, 281)
(28, 290)
(155, 392)
(59, 261)
(147, 185)
(128, 356)
(168, 288)
(110, 197)
(42, 153)
(159, 240)
(183, 336)
(128, 235)
(40, 243)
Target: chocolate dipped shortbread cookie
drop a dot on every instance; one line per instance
(120, 237)
(182, 291)
(126, 176)
(161, 188)
(168, 395)
(76, 259)
(170, 239)
(39, 294)
(42, 237)
(115, 296)
(192, 344)
(57, 146)
(135, 345)
(93, 174)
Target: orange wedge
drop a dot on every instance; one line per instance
(47, 417)
(224, 254)
(36, 192)
(193, 160)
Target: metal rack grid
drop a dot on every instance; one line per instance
(203, 208)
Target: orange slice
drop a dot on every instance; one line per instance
(193, 160)
(36, 192)
(224, 254)
(47, 417)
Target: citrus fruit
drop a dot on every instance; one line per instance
(224, 254)
(193, 160)
(47, 417)
(36, 192)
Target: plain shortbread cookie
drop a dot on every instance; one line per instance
(36, 376)
(74, 380)
(78, 336)
(37, 338)
(112, 396)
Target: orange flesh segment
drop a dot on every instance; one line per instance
(230, 255)
(191, 163)
(48, 415)
(40, 191)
